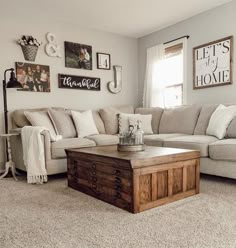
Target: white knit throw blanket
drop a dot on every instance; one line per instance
(33, 154)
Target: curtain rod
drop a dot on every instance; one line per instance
(186, 36)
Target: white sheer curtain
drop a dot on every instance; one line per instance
(152, 89)
(163, 71)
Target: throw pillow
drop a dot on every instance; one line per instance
(63, 123)
(109, 116)
(220, 121)
(42, 119)
(132, 119)
(84, 123)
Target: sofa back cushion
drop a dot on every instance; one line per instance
(19, 118)
(63, 123)
(180, 119)
(109, 116)
(156, 116)
(231, 131)
(98, 122)
(204, 118)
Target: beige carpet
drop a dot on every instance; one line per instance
(53, 215)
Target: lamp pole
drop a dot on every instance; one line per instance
(5, 85)
(5, 99)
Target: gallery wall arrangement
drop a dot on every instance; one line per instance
(36, 77)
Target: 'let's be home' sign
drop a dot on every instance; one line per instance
(212, 63)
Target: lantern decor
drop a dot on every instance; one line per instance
(132, 140)
(29, 46)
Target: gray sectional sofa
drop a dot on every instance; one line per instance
(182, 127)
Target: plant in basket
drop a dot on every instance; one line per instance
(29, 46)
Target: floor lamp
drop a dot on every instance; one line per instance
(12, 83)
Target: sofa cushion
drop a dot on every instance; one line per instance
(63, 122)
(98, 121)
(19, 118)
(110, 118)
(104, 139)
(158, 139)
(41, 118)
(179, 120)
(193, 142)
(156, 116)
(231, 130)
(204, 118)
(223, 150)
(58, 147)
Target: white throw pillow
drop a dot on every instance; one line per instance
(145, 123)
(84, 123)
(132, 119)
(42, 119)
(220, 120)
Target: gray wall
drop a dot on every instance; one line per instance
(208, 26)
(123, 52)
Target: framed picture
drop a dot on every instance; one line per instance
(213, 63)
(33, 77)
(104, 61)
(78, 56)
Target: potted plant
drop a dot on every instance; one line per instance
(29, 46)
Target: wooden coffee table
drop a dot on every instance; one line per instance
(134, 181)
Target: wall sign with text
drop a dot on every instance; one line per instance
(79, 82)
(212, 63)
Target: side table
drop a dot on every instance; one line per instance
(9, 164)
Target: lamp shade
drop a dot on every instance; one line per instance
(13, 83)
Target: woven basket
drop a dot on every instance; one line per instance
(29, 52)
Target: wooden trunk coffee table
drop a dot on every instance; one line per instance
(134, 181)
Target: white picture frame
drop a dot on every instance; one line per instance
(212, 63)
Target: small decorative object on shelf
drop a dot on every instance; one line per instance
(131, 141)
(29, 46)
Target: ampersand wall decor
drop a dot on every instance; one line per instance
(116, 85)
(52, 48)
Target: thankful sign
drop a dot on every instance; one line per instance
(212, 63)
(79, 82)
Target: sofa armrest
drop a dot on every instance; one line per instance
(17, 151)
(47, 145)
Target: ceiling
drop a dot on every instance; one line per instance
(134, 18)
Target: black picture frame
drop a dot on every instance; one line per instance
(78, 56)
(103, 61)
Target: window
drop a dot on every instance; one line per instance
(170, 77)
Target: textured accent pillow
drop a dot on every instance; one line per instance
(63, 122)
(42, 119)
(132, 119)
(84, 123)
(220, 121)
(110, 117)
